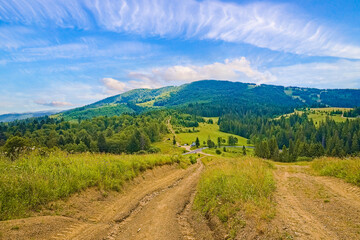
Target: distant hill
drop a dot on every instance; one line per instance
(220, 94)
(20, 116)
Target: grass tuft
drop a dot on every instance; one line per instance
(33, 180)
(347, 169)
(235, 190)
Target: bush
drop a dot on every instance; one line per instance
(218, 151)
(192, 159)
(154, 150)
(16, 145)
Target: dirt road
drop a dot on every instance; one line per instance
(156, 206)
(315, 207)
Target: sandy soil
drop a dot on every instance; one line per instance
(155, 206)
(315, 207)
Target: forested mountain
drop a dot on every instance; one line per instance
(244, 109)
(214, 98)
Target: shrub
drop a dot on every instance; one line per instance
(192, 159)
(15, 145)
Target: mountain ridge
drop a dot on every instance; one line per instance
(207, 93)
(217, 92)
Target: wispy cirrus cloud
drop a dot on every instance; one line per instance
(14, 37)
(266, 25)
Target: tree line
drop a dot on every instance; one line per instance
(296, 136)
(118, 134)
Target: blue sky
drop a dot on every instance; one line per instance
(60, 54)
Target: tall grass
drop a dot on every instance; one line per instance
(347, 169)
(234, 190)
(33, 180)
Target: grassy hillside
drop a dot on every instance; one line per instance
(320, 114)
(203, 132)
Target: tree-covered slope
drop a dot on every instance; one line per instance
(219, 96)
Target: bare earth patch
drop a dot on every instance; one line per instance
(313, 207)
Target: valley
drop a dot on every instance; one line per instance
(183, 169)
(176, 201)
(179, 120)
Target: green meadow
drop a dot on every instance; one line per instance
(204, 131)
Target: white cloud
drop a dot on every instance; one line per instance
(114, 86)
(340, 74)
(234, 70)
(275, 26)
(55, 104)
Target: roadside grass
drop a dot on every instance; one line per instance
(34, 180)
(347, 169)
(166, 146)
(231, 152)
(235, 191)
(204, 131)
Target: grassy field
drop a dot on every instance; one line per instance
(235, 190)
(32, 180)
(347, 169)
(319, 114)
(230, 151)
(206, 130)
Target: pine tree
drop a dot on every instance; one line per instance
(102, 143)
(284, 154)
(197, 142)
(355, 144)
(244, 150)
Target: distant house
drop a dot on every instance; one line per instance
(193, 144)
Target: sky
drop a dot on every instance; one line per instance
(61, 54)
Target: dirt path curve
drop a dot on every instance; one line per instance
(153, 208)
(315, 207)
(160, 218)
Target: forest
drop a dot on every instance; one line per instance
(117, 134)
(297, 136)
